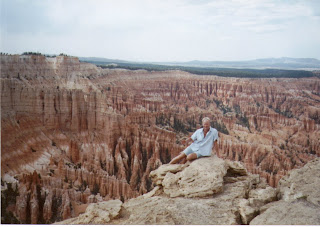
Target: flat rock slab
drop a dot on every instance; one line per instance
(203, 177)
(299, 199)
(161, 210)
(298, 212)
(302, 183)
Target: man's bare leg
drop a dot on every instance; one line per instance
(192, 157)
(184, 160)
(178, 158)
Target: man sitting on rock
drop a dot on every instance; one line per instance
(202, 144)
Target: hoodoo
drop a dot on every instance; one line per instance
(74, 134)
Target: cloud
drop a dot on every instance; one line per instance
(161, 29)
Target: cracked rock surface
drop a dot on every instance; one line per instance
(207, 191)
(299, 202)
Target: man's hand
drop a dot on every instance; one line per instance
(186, 141)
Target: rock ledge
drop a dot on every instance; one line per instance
(215, 191)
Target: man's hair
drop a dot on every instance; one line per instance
(205, 119)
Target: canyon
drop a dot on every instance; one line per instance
(74, 134)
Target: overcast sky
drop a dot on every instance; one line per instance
(163, 30)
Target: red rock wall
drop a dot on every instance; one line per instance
(85, 130)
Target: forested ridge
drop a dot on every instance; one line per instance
(224, 72)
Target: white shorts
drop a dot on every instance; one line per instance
(188, 151)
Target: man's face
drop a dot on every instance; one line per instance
(206, 125)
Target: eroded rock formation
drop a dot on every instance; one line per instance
(93, 134)
(299, 202)
(242, 198)
(234, 197)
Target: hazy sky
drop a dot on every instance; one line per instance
(163, 30)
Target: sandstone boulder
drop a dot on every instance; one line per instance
(97, 213)
(302, 183)
(162, 210)
(298, 212)
(198, 180)
(299, 196)
(158, 175)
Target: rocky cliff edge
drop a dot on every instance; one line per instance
(215, 191)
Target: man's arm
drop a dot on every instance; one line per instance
(187, 141)
(215, 143)
(216, 146)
